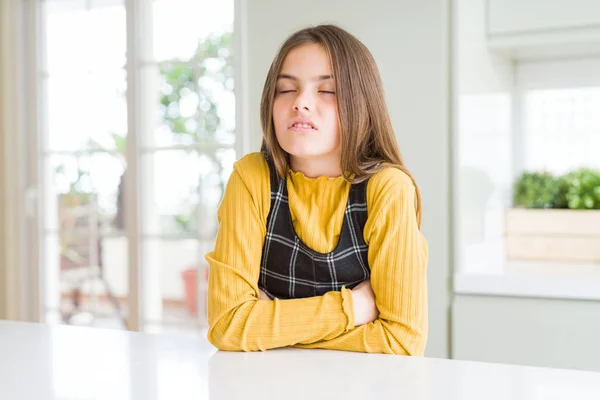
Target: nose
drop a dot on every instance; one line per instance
(304, 101)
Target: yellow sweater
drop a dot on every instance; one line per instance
(398, 252)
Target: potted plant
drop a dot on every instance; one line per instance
(555, 218)
(190, 284)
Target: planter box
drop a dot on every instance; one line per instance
(553, 235)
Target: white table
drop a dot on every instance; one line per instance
(38, 362)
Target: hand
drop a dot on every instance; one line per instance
(263, 295)
(365, 309)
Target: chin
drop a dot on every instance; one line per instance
(306, 147)
(303, 152)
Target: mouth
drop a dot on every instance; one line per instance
(302, 126)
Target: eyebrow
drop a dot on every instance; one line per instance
(293, 78)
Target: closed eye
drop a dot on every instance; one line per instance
(285, 91)
(326, 91)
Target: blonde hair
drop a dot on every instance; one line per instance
(367, 138)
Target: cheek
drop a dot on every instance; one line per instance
(333, 118)
(337, 139)
(279, 115)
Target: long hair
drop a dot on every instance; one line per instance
(368, 141)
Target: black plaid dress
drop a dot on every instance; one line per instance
(290, 269)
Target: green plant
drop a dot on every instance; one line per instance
(578, 190)
(539, 190)
(583, 189)
(561, 198)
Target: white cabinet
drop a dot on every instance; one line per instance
(544, 28)
(518, 17)
(527, 331)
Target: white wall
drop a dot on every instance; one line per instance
(410, 42)
(483, 153)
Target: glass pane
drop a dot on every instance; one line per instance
(171, 284)
(189, 82)
(180, 24)
(86, 280)
(84, 256)
(562, 129)
(77, 37)
(195, 103)
(85, 80)
(88, 181)
(183, 189)
(86, 111)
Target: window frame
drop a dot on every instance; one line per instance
(138, 28)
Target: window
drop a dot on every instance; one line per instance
(534, 116)
(560, 123)
(168, 142)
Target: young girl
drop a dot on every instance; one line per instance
(319, 242)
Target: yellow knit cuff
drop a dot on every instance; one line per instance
(348, 307)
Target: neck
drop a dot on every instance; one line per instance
(314, 167)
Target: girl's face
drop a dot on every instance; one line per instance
(305, 111)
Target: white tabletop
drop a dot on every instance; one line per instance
(38, 362)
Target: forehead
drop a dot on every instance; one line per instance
(307, 61)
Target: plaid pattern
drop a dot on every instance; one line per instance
(290, 269)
